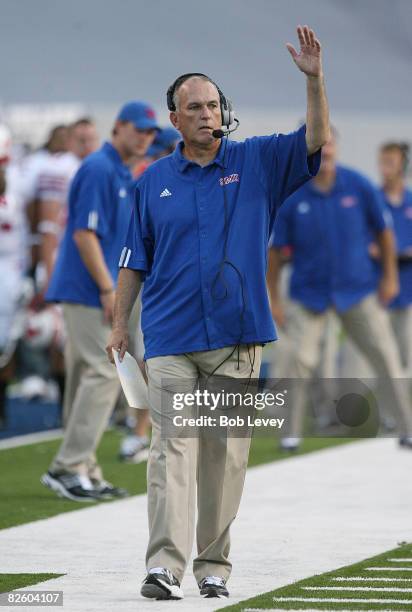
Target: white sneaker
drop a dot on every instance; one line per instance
(134, 449)
(290, 444)
(33, 387)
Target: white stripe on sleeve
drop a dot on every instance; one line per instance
(124, 250)
(93, 220)
(129, 252)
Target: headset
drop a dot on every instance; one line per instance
(226, 107)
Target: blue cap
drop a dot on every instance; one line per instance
(166, 138)
(141, 114)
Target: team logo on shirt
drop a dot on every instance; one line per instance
(348, 201)
(122, 192)
(408, 212)
(226, 180)
(303, 207)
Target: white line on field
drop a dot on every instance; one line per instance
(310, 609)
(359, 588)
(377, 579)
(399, 560)
(389, 569)
(339, 600)
(41, 436)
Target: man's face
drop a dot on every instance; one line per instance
(329, 155)
(133, 141)
(390, 165)
(59, 140)
(198, 112)
(84, 140)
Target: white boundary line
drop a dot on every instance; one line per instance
(399, 560)
(358, 588)
(389, 569)
(33, 438)
(377, 579)
(101, 549)
(339, 600)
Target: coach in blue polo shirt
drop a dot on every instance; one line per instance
(84, 281)
(199, 235)
(329, 223)
(393, 166)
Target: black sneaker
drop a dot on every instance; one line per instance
(213, 586)
(405, 441)
(73, 486)
(161, 584)
(105, 490)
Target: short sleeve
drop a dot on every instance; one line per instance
(281, 234)
(135, 253)
(378, 215)
(89, 193)
(283, 165)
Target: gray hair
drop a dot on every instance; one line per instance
(180, 83)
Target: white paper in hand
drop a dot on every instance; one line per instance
(132, 381)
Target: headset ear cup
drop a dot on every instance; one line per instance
(227, 111)
(231, 112)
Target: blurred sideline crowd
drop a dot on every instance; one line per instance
(339, 278)
(34, 189)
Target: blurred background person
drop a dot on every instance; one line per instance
(164, 144)
(13, 264)
(328, 224)
(53, 188)
(393, 166)
(34, 368)
(84, 280)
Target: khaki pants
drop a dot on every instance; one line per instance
(176, 465)
(401, 319)
(92, 387)
(368, 326)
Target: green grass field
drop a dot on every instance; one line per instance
(357, 576)
(24, 499)
(9, 582)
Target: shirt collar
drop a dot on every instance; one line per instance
(113, 153)
(183, 163)
(338, 186)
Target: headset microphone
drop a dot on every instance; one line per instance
(222, 133)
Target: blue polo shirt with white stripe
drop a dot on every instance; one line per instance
(100, 199)
(402, 226)
(192, 300)
(329, 234)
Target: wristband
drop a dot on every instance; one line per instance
(106, 291)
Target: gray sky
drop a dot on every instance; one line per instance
(108, 51)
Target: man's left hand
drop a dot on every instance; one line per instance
(308, 60)
(388, 289)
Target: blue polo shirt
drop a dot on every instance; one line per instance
(329, 234)
(100, 200)
(191, 302)
(402, 225)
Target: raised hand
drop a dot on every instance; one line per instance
(309, 59)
